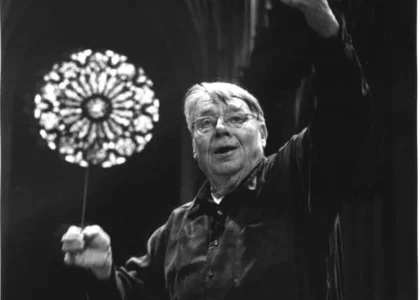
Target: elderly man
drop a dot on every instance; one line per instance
(260, 227)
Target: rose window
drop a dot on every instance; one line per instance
(96, 108)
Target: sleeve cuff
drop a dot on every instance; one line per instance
(104, 289)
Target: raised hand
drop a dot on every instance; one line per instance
(89, 248)
(318, 14)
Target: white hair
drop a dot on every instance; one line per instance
(221, 91)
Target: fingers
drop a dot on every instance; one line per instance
(73, 232)
(96, 237)
(74, 258)
(88, 248)
(308, 5)
(88, 259)
(92, 230)
(72, 240)
(318, 15)
(99, 261)
(294, 3)
(70, 258)
(76, 239)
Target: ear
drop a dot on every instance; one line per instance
(263, 135)
(194, 149)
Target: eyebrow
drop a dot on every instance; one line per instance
(206, 112)
(235, 108)
(230, 108)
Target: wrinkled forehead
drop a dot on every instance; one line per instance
(216, 106)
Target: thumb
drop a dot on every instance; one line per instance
(96, 237)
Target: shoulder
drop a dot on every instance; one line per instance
(179, 213)
(172, 224)
(293, 149)
(182, 209)
(296, 141)
(288, 162)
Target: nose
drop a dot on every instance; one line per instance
(220, 122)
(220, 126)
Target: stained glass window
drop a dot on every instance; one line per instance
(96, 108)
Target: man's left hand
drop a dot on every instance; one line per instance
(318, 14)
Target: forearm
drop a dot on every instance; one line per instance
(139, 278)
(109, 289)
(340, 88)
(343, 105)
(125, 284)
(339, 80)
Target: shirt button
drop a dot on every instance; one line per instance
(216, 242)
(219, 212)
(210, 274)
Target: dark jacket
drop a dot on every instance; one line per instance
(281, 240)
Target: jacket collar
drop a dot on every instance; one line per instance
(203, 201)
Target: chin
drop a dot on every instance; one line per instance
(227, 169)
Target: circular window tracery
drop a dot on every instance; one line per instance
(96, 108)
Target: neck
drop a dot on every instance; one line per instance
(223, 185)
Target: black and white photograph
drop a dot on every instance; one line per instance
(208, 150)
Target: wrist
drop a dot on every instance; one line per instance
(103, 272)
(322, 20)
(330, 30)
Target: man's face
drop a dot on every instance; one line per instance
(225, 151)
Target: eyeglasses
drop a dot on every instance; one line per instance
(208, 123)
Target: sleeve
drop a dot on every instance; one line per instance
(140, 277)
(323, 157)
(341, 121)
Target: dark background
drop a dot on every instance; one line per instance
(41, 194)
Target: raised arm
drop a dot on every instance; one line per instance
(341, 119)
(306, 38)
(342, 100)
(323, 155)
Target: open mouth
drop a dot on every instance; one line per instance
(224, 149)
